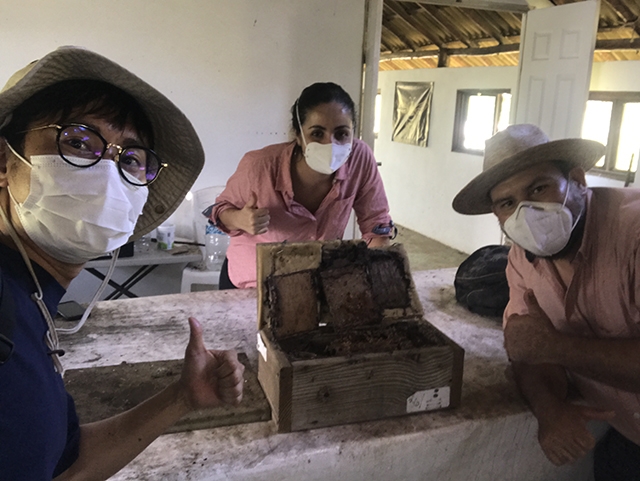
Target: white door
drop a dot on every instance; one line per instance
(555, 67)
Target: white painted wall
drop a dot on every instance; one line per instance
(422, 182)
(234, 67)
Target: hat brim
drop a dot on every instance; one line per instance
(176, 141)
(475, 198)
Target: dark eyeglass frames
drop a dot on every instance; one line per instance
(82, 146)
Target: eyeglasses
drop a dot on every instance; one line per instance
(82, 146)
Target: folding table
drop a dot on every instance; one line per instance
(146, 263)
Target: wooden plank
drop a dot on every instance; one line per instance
(457, 370)
(332, 391)
(102, 392)
(275, 374)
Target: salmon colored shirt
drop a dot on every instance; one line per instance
(267, 172)
(603, 295)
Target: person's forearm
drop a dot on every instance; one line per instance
(229, 218)
(543, 386)
(107, 446)
(615, 362)
(378, 242)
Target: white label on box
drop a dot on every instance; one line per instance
(262, 349)
(429, 400)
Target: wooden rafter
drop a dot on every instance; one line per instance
(601, 45)
(384, 46)
(449, 52)
(436, 14)
(622, 11)
(392, 34)
(409, 20)
(484, 23)
(493, 5)
(618, 44)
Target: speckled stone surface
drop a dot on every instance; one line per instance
(491, 436)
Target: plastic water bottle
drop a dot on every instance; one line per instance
(216, 243)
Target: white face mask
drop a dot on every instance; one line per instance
(324, 158)
(75, 214)
(542, 228)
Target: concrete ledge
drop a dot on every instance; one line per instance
(491, 437)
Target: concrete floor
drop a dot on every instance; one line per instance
(425, 253)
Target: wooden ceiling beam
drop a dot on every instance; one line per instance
(625, 14)
(408, 19)
(622, 11)
(513, 47)
(495, 5)
(636, 26)
(436, 14)
(617, 44)
(443, 59)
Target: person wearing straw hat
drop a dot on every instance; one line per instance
(573, 317)
(90, 157)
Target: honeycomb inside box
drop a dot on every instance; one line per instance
(325, 342)
(323, 299)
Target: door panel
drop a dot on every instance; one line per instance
(555, 67)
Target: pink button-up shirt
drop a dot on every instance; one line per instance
(602, 297)
(267, 172)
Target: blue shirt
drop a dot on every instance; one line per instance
(39, 431)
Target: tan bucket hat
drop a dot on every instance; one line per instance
(517, 148)
(177, 143)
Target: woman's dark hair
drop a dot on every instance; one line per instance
(66, 100)
(317, 94)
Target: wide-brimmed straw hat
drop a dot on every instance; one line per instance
(515, 149)
(176, 141)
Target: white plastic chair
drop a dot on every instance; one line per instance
(202, 199)
(191, 276)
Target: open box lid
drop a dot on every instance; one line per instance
(304, 285)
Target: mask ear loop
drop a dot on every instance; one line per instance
(566, 193)
(304, 142)
(564, 205)
(13, 151)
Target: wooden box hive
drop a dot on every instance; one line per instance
(342, 339)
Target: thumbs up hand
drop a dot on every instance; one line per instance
(252, 219)
(209, 378)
